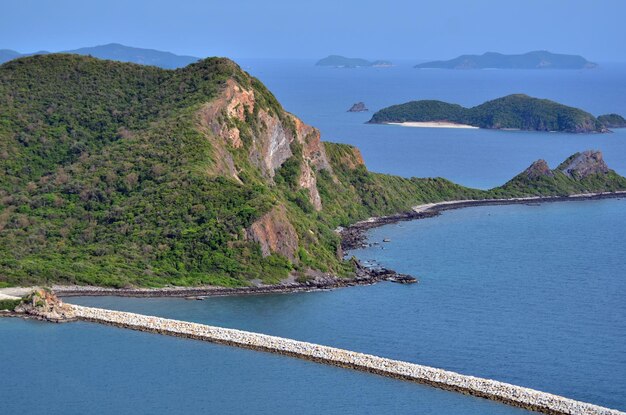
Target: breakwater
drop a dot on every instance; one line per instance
(486, 388)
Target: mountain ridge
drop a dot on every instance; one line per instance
(117, 52)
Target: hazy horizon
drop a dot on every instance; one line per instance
(284, 29)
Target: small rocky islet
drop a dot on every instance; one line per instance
(358, 107)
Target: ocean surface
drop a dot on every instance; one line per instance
(477, 158)
(532, 295)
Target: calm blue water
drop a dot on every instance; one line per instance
(532, 295)
(477, 158)
(83, 368)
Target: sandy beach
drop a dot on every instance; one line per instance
(432, 124)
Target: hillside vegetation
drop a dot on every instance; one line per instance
(516, 111)
(612, 121)
(119, 175)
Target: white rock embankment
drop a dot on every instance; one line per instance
(491, 389)
(514, 200)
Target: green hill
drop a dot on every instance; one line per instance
(516, 111)
(612, 121)
(119, 174)
(540, 59)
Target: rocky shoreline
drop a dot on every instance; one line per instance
(352, 237)
(363, 276)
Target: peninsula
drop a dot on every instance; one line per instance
(123, 176)
(337, 61)
(540, 59)
(518, 111)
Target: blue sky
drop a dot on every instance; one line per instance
(315, 28)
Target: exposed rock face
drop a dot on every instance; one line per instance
(584, 164)
(272, 146)
(358, 107)
(538, 169)
(45, 305)
(314, 155)
(354, 159)
(275, 234)
(222, 119)
(218, 132)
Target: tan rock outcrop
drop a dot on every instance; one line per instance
(538, 169)
(275, 234)
(270, 145)
(584, 164)
(44, 304)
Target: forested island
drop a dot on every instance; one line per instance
(121, 175)
(612, 121)
(540, 59)
(337, 61)
(517, 111)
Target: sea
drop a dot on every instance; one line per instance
(533, 295)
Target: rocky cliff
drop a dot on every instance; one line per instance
(538, 169)
(234, 120)
(585, 164)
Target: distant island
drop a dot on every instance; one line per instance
(117, 52)
(612, 121)
(540, 59)
(358, 107)
(337, 61)
(518, 111)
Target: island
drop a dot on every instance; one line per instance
(337, 61)
(358, 107)
(196, 181)
(540, 59)
(516, 112)
(116, 52)
(612, 121)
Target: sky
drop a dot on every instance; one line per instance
(421, 30)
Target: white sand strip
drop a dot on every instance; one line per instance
(432, 124)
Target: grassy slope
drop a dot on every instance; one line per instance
(105, 181)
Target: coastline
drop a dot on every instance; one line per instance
(363, 276)
(352, 237)
(432, 124)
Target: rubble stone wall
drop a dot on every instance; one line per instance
(486, 388)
